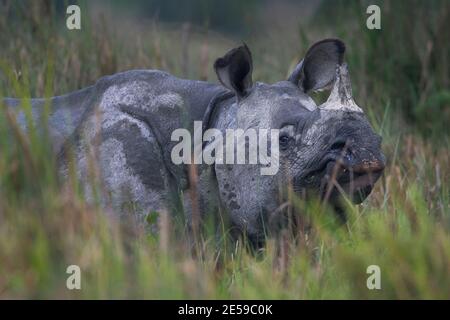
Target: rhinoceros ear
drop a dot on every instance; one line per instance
(234, 70)
(317, 70)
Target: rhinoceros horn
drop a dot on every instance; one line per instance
(341, 97)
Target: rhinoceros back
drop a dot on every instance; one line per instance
(69, 112)
(65, 113)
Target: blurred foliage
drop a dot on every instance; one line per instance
(406, 62)
(230, 16)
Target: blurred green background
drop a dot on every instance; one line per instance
(404, 63)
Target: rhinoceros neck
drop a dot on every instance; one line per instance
(214, 108)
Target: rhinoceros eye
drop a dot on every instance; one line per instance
(284, 141)
(286, 133)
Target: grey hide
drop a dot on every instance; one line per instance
(123, 124)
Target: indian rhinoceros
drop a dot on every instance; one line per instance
(124, 124)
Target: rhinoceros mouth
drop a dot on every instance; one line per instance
(333, 178)
(356, 182)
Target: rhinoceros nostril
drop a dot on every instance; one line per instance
(338, 145)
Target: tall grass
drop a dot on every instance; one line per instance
(45, 224)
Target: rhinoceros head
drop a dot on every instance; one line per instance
(326, 150)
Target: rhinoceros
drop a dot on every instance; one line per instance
(125, 123)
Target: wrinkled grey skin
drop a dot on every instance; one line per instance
(125, 122)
